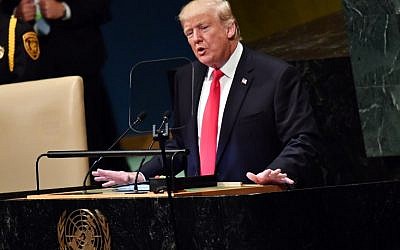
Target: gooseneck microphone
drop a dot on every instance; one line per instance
(139, 119)
(166, 116)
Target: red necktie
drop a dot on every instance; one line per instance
(209, 127)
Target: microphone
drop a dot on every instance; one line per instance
(166, 116)
(139, 119)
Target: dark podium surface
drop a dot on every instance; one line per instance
(360, 216)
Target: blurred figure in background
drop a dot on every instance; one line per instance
(72, 44)
(19, 50)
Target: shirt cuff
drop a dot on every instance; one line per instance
(143, 177)
(131, 178)
(67, 15)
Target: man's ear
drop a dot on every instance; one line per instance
(231, 30)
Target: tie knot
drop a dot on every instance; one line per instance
(217, 74)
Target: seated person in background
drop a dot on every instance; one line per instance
(253, 120)
(19, 50)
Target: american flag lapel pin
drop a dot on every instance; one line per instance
(244, 81)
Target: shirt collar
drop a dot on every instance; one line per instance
(229, 67)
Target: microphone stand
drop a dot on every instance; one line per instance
(166, 116)
(101, 158)
(135, 185)
(139, 118)
(162, 135)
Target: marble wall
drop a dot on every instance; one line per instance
(373, 28)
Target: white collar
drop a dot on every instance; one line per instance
(229, 67)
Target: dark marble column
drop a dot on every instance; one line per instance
(374, 35)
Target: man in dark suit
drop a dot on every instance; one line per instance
(262, 125)
(19, 50)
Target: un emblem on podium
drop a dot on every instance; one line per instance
(83, 229)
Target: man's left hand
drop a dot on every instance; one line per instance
(270, 176)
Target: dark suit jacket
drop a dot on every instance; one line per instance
(25, 66)
(267, 122)
(74, 46)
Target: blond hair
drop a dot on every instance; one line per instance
(221, 8)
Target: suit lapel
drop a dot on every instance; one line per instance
(240, 85)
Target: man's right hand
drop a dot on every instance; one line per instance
(26, 10)
(113, 178)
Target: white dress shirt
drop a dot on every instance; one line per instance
(229, 69)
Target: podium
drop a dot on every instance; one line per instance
(359, 216)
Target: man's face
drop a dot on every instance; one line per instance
(209, 39)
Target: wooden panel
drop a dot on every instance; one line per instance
(220, 190)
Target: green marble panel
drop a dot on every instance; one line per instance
(374, 49)
(374, 35)
(379, 109)
(372, 7)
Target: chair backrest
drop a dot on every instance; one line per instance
(36, 117)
